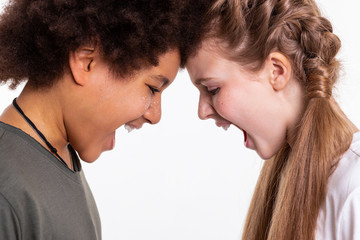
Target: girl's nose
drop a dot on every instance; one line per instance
(205, 109)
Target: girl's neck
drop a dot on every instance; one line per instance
(292, 132)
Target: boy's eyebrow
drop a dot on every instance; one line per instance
(199, 81)
(164, 80)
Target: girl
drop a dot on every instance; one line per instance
(269, 67)
(91, 67)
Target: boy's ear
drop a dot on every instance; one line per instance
(280, 70)
(81, 62)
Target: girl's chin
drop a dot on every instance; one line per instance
(262, 151)
(265, 155)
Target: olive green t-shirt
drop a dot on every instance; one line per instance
(40, 198)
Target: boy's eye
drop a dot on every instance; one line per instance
(153, 90)
(214, 91)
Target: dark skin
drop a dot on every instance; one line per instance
(88, 104)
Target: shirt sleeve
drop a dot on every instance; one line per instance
(349, 224)
(9, 224)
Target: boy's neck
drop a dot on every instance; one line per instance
(44, 109)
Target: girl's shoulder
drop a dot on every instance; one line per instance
(346, 177)
(342, 198)
(355, 145)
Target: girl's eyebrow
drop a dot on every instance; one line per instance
(200, 81)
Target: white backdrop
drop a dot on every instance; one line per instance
(186, 179)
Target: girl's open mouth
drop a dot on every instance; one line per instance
(245, 139)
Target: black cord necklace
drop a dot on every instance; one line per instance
(52, 149)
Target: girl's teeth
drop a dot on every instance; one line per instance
(128, 128)
(225, 127)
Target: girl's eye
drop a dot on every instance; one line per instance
(153, 90)
(214, 91)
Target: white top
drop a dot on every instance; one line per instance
(339, 216)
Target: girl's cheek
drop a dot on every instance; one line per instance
(222, 105)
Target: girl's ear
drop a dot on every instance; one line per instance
(81, 63)
(280, 70)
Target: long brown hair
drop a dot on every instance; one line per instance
(292, 185)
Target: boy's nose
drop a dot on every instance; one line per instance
(153, 113)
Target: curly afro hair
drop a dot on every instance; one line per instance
(36, 36)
